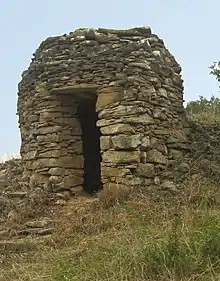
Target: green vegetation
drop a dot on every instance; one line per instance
(145, 238)
(203, 109)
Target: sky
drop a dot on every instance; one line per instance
(189, 28)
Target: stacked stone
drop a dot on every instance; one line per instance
(139, 105)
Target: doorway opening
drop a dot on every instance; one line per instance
(91, 144)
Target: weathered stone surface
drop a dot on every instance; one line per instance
(36, 231)
(114, 172)
(155, 156)
(169, 185)
(117, 129)
(107, 97)
(126, 142)
(176, 154)
(145, 142)
(46, 223)
(145, 170)
(17, 246)
(117, 157)
(56, 171)
(105, 142)
(184, 167)
(123, 82)
(72, 180)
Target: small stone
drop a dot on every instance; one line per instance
(36, 231)
(13, 215)
(155, 156)
(40, 223)
(56, 171)
(145, 170)
(64, 195)
(176, 154)
(169, 185)
(184, 167)
(143, 157)
(145, 142)
(61, 202)
(18, 194)
(157, 180)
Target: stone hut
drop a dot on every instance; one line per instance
(101, 107)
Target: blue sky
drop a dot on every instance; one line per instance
(189, 28)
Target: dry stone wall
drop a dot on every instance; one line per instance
(134, 87)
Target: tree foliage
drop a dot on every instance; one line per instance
(206, 109)
(215, 70)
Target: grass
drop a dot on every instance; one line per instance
(142, 238)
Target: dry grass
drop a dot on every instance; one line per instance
(142, 238)
(9, 156)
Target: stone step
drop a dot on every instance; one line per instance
(45, 223)
(16, 194)
(36, 231)
(22, 245)
(16, 246)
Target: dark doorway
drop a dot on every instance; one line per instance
(91, 144)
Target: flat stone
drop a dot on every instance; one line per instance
(141, 65)
(36, 231)
(16, 246)
(56, 171)
(179, 136)
(121, 157)
(106, 98)
(46, 116)
(117, 129)
(114, 172)
(124, 110)
(65, 162)
(40, 223)
(48, 130)
(16, 194)
(130, 181)
(145, 170)
(72, 180)
(155, 156)
(176, 154)
(76, 88)
(30, 155)
(144, 119)
(126, 142)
